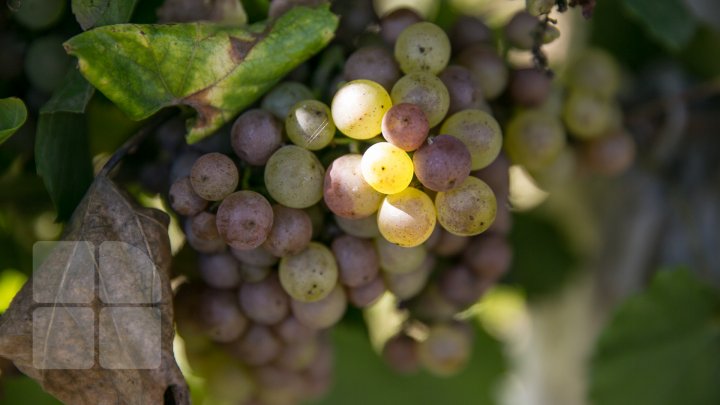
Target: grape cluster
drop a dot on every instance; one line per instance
(394, 185)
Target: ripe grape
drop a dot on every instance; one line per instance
(290, 233)
(366, 227)
(386, 168)
(309, 275)
(586, 115)
(467, 31)
(398, 259)
(431, 306)
(407, 218)
(183, 199)
(358, 108)
(204, 226)
(220, 315)
(449, 244)
(372, 62)
(367, 294)
(534, 139)
(264, 301)
(282, 97)
(294, 177)
(530, 87)
(345, 191)
(480, 133)
(422, 47)
(219, 270)
(464, 91)
(424, 90)
(487, 67)
(257, 346)
(309, 125)
(395, 22)
(468, 209)
(255, 135)
(297, 356)
(401, 354)
(203, 245)
(213, 176)
(405, 126)
(611, 154)
(520, 30)
(252, 274)
(322, 313)
(443, 163)
(258, 256)
(461, 286)
(357, 260)
(496, 175)
(446, 350)
(244, 219)
(290, 330)
(489, 256)
(407, 285)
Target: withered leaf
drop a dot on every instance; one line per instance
(95, 324)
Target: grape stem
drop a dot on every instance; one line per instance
(131, 145)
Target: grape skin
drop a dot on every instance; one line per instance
(366, 227)
(424, 90)
(386, 168)
(290, 233)
(309, 125)
(398, 259)
(401, 353)
(282, 97)
(358, 107)
(468, 209)
(357, 260)
(219, 270)
(367, 294)
(322, 313)
(443, 163)
(213, 176)
(405, 126)
(244, 219)
(374, 63)
(480, 133)
(406, 218)
(395, 22)
(265, 301)
(301, 189)
(407, 285)
(422, 46)
(487, 67)
(309, 275)
(184, 200)
(255, 135)
(345, 191)
(445, 351)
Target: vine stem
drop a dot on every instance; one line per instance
(136, 139)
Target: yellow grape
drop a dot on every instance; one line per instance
(358, 108)
(407, 218)
(479, 131)
(387, 168)
(468, 209)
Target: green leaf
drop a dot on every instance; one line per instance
(12, 116)
(96, 13)
(362, 378)
(216, 69)
(62, 152)
(662, 346)
(669, 21)
(542, 259)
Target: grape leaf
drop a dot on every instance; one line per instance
(669, 21)
(95, 13)
(12, 116)
(67, 328)
(662, 346)
(216, 69)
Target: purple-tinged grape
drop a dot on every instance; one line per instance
(431, 306)
(467, 31)
(611, 154)
(395, 22)
(203, 245)
(290, 330)
(182, 165)
(374, 63)
(465, 93)
(489, 256)
(297, 356)
(450, 244)
(446, 350)
(244, 219)
(255, 136)
(357, 260)
(487, 67)
(496, 175)
(405, 126)
(258, 346)
(520, 31)
(366, 227)
(366, 294)
(443, 163)
(214, 176)
(264, 302)
(204, 226)
(184, 200)
(219, 270)
(322, 313)
(258, 256)
(461, 286)
(345, 191)
(221, 316)
(401, 354)
(252, 274)
(407, 285)
(290, 233)
(530, 87)
(399, 259)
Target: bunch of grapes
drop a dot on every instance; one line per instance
(395, 185)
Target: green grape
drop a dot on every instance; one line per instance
(366, 227)
(423, 47)
(38, 14)
(479, 131)
(406, 218)
(282, 97)
(468, 209)
(46, 63)
(309, 125)
(424, 90)
(398, 259)
(345, 192)
(407, 285)
(586, 115)
(386, 168)
(358, 108)
(534, 139)
(446, 350)
(309, 275)
(595, 70)
(294, 177)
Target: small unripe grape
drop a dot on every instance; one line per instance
(446, 350)
(530, 87)
(358, 108)
(480, 133)
(309, 125)
(401, 353)
(322, 313)
(373, 63)
(405, 126)
(586, 115)
(422, 47)
(468, 209)
(291, 231)
(367, 294)
(309, 275)
(596, 71)
(534, 139)
(467, 31)
(255, 135)
(464, 91)
(282, 97)
(406, 218)
(265, 301)
(386, 168)
(357, 260)
(443, 163)
(424, 90)
(395, 22)
(183, 199)
(345, 191)
(244, 219)
(487, 68)
(214, 176)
